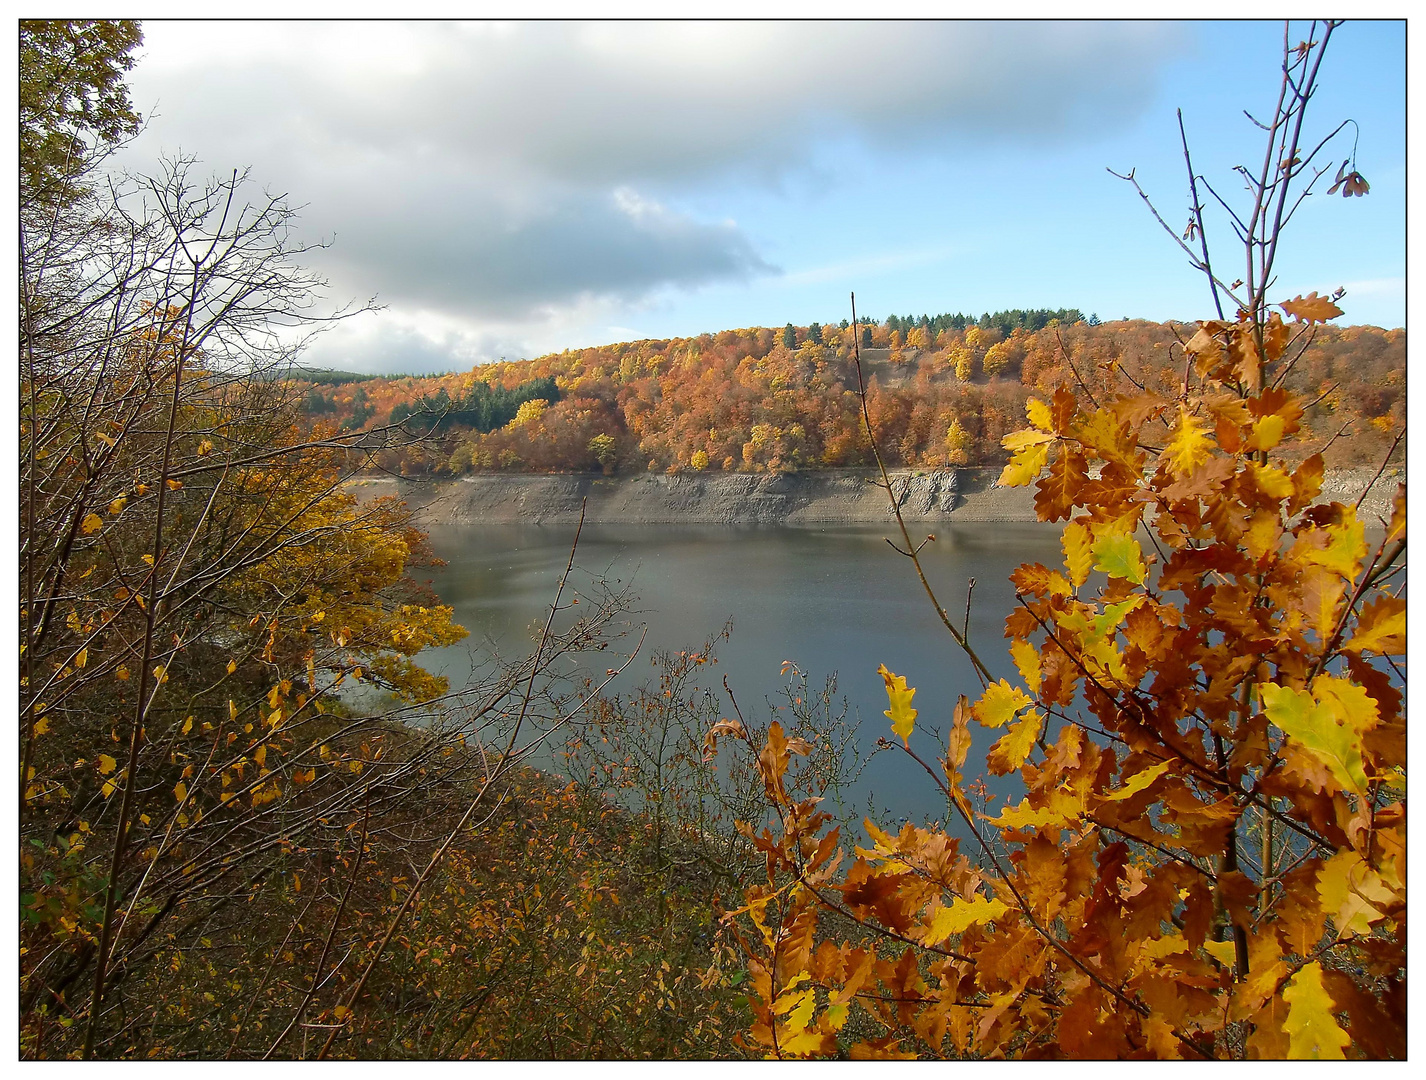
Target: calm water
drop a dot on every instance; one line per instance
(834, 599)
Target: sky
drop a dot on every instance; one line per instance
(511, 189)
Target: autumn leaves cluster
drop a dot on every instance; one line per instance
(1209, 857)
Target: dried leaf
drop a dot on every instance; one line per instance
(1311, 308)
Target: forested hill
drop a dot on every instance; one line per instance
(765, 399)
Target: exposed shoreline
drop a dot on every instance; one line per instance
(828, 496)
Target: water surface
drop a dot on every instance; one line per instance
(833, 599)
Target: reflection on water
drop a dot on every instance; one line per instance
(835, 599)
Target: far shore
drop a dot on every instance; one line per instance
(827, 496)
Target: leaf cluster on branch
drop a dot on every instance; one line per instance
(1209, 859)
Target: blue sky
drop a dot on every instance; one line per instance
(512, 189)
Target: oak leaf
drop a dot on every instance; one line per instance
(1352, 893)
(1311, 308)
(901, 714)
(1012, 748)
(1311, 1027)
(1025, 465)
(1190, 446)
(1027, 660)
(1139, 781)
(1381, 627)
(1038, 413)
(1076, 541)
(1119, 557)
(1000, 703)
(961, 915)
(1327, 722)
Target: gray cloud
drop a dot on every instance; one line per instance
(478, 255)
(514, 170)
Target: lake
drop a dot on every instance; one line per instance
(830, 599)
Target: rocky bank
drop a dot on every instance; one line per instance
(831, 496)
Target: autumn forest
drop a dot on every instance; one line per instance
(786, 399)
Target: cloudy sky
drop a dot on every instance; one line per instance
(509, 189)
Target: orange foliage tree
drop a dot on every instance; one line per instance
(1209, 857)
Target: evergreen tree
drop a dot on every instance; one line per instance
(789, 336)
(814, 333)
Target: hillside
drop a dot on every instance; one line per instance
(765, 400)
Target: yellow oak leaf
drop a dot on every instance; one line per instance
(1322, 593)
(1038, 414)
(1025, 465)
(1063, 810)
(1012, 748)
(1381, 627)
(1190, 446)
(1225, 952)
(961, 915)
(1019, 440)
(1267, 432)
(92, 523)
(1312, 1029)
(1346, 544)
(1028, 661)
(999, 704)
(1350, 892)
(901, 714)
(1270, 480)
(1139, 781)
(106, 764)
(1077, 542)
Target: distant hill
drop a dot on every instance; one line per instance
(784, 399)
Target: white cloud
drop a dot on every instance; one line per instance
(508, 177)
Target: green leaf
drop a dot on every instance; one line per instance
(1312, 1030)
(1119, 557)
(1328, 723)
